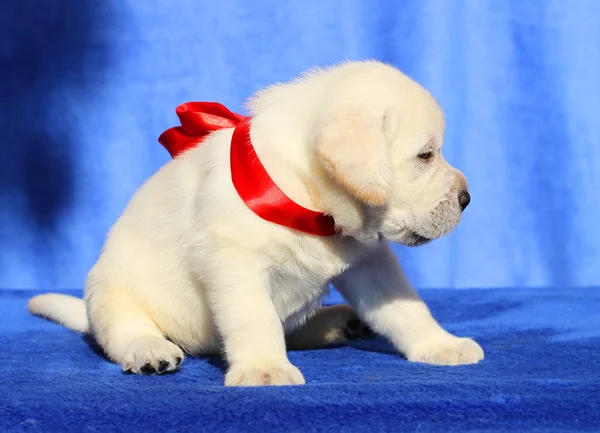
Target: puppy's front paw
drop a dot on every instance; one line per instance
(152, 356)
(283, 374)
(446, 350)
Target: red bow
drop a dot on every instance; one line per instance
(250, 179)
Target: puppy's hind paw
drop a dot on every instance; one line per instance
(152, 356)
(355, 329)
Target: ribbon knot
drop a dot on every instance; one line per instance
(198, 120)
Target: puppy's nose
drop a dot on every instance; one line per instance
(464, 198)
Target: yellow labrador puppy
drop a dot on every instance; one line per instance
(189, 268)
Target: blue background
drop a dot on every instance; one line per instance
(87, 87)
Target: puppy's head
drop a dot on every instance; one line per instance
(379, 137)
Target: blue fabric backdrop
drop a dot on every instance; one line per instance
(86, 88)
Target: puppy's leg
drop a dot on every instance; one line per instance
(129, 336)
(384, 299)
(248, 323)
(331, 326)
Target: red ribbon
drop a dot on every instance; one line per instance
(250, 178)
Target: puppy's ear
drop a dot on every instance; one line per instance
(354, 151)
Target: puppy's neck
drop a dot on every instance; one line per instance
(283, 144)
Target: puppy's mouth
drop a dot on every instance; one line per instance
(414, 239)
(410, 239)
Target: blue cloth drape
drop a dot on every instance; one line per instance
(86, 88)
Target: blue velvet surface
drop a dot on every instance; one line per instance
(85, 92)
(540, 374)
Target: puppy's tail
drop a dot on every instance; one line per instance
(69, 311)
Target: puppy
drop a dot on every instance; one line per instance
(189, 268)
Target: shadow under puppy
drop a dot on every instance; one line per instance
(190, 268)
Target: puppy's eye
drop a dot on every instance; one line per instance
(425, 155)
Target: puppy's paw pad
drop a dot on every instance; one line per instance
(448, 350)
(152, 356)
(264, 376)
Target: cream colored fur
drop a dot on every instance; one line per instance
(188, 268)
